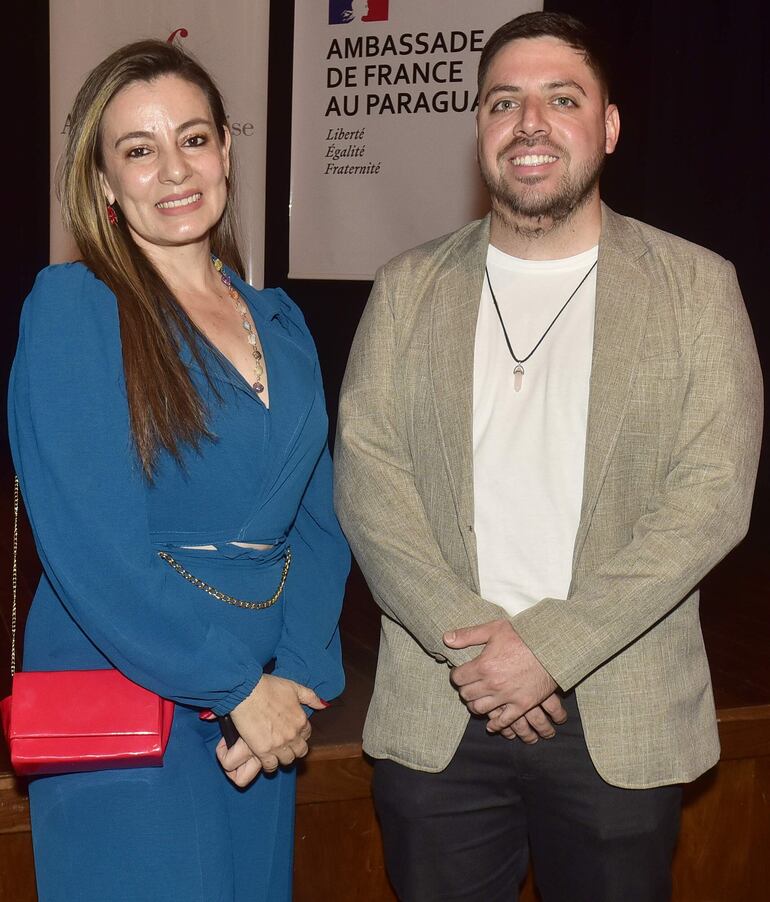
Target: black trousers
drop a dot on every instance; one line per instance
(466, 833)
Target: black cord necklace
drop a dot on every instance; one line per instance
(518, 370)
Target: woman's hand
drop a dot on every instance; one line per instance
(273, 727)
(239, 765)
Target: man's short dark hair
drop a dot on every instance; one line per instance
(561, 26)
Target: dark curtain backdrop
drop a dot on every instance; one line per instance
(691, 80)
(25, 172)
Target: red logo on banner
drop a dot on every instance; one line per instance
(177, 32)
(344, 12)
(377, 11)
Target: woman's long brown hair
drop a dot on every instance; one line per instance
(165, 409)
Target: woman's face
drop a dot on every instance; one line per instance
(164, 161)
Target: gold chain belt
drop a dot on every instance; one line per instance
(221, 596)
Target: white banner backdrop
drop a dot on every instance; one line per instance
(383, 149)
(230, 39)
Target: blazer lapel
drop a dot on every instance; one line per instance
(454, 313)
(622, 299)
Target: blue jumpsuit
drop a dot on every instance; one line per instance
(180, 832)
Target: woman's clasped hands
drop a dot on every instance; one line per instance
(273, 727)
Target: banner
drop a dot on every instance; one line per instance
(383, 147)
(229, 38)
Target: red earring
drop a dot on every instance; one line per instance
(112, 215)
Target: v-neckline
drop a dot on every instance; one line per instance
(241, 380)
(229, 277)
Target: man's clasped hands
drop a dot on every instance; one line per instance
(506, 682)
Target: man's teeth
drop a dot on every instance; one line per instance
(167, 205)
(534, 160)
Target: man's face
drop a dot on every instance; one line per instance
(543, 129)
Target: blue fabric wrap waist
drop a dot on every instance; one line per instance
(249, 574)
(234, 555)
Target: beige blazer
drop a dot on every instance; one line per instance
(674, 430)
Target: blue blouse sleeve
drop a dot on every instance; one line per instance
(86, 499)
(309, 649)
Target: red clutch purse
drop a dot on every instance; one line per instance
(64, 721)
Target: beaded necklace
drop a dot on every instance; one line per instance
(243, 312)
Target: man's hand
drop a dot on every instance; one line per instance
(505, 673)
(535, 724)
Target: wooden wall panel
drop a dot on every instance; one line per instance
(17, 871)
(724, 845)
(338, 854)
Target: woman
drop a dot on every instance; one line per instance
(160, 404)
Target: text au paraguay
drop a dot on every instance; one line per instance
(374, 85)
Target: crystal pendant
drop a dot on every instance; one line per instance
(258, 387)
(518, 377)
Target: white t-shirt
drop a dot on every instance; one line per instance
(529, 446)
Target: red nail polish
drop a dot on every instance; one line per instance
(324, 702)
(207, 714)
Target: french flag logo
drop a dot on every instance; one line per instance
(345, 12)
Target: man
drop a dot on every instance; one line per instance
(549, 433)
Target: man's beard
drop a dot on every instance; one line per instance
(526, 201)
